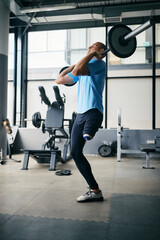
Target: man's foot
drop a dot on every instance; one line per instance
(90, 196)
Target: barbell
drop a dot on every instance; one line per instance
(122, 41)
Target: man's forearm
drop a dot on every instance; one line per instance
(67, 70)
(63, 78)
(81, 68)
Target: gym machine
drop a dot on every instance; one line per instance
(54, 125)
(150, 146)
(120, 150)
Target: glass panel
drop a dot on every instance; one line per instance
(96, 35)
(158, 33)
(158, 54)
(78, 39)
(75, 56)
(158, 43)
(37, 41)
(137, 58)
(46, 58)
(57, 40)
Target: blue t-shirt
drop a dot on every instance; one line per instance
(90, 88)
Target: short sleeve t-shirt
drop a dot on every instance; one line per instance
(90, 88)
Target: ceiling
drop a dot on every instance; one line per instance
(61, 14)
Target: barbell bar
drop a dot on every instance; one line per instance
(139, 29)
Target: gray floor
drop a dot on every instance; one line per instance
(36, 204)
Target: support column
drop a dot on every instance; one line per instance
(106, 85)
(153, 78)
(4, 35)
(20, 77)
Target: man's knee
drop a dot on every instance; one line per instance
(76, 152)
(73, 153)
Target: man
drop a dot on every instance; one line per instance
(90, 73)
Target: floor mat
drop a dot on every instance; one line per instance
(14, 227)
(134, 217)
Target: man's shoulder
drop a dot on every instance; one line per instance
(99, 62)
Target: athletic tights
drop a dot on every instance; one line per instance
(85, 123)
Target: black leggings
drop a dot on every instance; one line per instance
(86, 123)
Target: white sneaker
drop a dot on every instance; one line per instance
(90, 196)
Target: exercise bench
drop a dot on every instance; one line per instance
(150, 148)
(42, 156)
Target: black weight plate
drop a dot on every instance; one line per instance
(67, 84)
(74, 115)
(36, 119)
(43, 127)
(70, 84)
(62, 69)
(121, 49)
(105, 150)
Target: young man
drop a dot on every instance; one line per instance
(90, 73)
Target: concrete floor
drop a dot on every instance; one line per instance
(38, 194)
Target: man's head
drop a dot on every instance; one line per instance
(98, 46)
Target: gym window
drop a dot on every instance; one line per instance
(49, 51)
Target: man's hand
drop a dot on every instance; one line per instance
(98, 55)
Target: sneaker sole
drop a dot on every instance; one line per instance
(92, 200)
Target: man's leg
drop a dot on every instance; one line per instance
(77, 144)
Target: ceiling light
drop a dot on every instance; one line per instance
(68, 18)
(47, 8)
